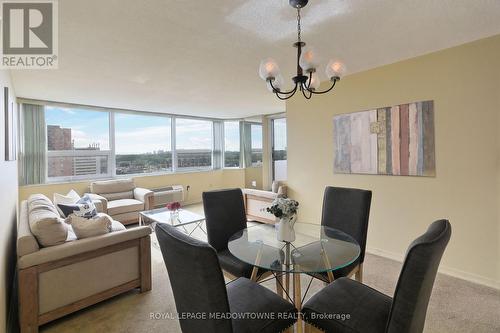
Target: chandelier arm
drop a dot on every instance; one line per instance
(325, 91)
(286, 97)
(282, 92)
(305, 95)
(309, 81)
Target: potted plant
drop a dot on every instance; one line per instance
(286, 210)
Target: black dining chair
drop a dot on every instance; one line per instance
(204, 303)
(224, 216)
(348, 210)
(373, 312)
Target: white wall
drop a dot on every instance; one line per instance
(8, 208)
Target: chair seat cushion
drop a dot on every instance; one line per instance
(247, 297)
(363, 309)
(229, 263)
(124, 206)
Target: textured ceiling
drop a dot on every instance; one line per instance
(201, 57)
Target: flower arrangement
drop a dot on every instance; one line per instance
(283, 207)
(173, 206)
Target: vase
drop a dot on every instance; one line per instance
(174, 216)
(285, 232)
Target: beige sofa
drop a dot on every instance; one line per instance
(57, 280)
(121, 199)
(256, 202)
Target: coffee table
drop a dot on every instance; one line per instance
(163, 215)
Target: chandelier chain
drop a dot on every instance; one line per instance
(298, 25)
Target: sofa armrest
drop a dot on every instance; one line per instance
(100, 202)
(73, 248)
(146, 196)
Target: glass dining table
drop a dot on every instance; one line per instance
(316, 249)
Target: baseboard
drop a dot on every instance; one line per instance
(443, 269)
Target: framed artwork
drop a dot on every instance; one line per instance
(10, 126)
(397, 140)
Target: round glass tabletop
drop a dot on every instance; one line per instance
(316, 248)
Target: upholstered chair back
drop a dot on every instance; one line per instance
(348, 209)
(115, 189)
(414, 287)
(196, 279)
(224, 215)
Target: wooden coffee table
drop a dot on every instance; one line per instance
(163, 215)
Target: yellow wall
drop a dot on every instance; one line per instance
(251, 174)
(198, 182)
(464, 83)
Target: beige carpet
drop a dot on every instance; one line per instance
(455, 306)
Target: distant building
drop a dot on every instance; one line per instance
(59, 138)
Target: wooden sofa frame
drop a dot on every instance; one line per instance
(28, 279)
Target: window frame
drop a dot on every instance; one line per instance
(111, 152)
(76, 153)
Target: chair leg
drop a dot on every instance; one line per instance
(359, 274)
(279, 284)
(311, 329)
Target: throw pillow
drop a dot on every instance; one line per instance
(69, 199)
(82, 208)
(84, 228)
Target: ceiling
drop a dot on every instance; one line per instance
(201, 57)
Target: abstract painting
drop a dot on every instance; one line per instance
(397, 140)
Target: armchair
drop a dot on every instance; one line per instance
(121, 199)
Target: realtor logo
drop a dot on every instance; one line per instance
(29, 34)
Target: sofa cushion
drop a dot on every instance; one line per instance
(26, 241)
(83, 208)
(112, 186)
(118, 195)
(84, 228)
(45, 222)
(124, 206)
(69, 199)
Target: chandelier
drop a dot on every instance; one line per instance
(306, 80)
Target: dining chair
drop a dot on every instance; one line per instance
(204, 303)
(348, 210)
(224, 216)
(372, 311)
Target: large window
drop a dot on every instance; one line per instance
(84, 143)
(256, 144)
(231, 144)
(142, 144)
(193, 143)
(77, 143)
(279, 159)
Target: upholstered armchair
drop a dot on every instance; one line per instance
(121, 199)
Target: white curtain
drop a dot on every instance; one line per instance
(246, 144)
(218, 145)
(33, 143)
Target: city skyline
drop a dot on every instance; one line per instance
(138, 134)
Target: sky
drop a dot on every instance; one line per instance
(135, 134)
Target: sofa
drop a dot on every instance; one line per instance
(73, 274)
(256, 202)
(121, 199)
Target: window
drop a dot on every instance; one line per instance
(256, 144)
(279, 159)
(193, 143)
(77, 143)
(231, 144)
(142, 143)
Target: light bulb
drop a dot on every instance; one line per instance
(309, 59)
(313, 83)
(268, 68)
(335, 69)
(277, 83)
